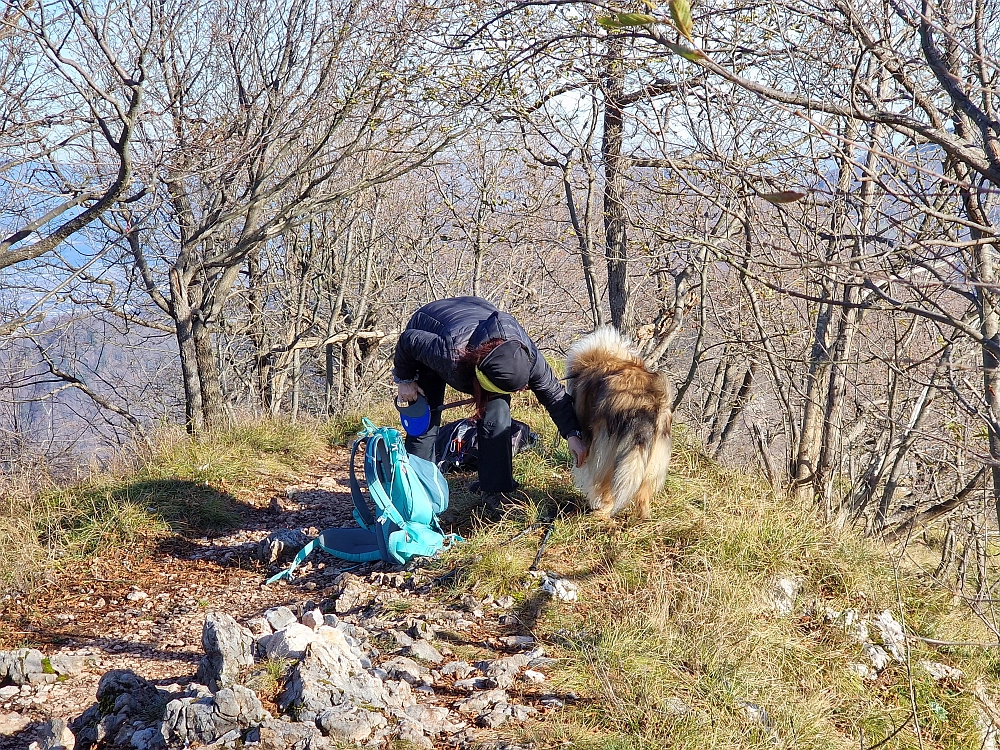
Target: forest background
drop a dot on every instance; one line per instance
(219, 208)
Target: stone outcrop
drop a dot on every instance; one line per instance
(23, 666)
(280, 545)
(127, 705)
(203, 717)
(336, 687)
(228, 651)
(54, 735)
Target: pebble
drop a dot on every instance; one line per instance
(312, 619)
(518, 641)
(424, 651)
(13, 723)
(940, 672)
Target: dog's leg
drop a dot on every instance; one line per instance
(643, 498)
(629, 475)
(602, 501)
(652, 481)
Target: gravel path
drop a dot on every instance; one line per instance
(146, 613)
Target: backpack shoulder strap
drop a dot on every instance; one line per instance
(381, 494)
(362, 513)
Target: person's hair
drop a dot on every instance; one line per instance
(468, 360)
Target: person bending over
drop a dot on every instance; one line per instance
(467, 343)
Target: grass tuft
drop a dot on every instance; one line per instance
(267, 677)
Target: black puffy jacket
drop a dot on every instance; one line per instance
(439, 332)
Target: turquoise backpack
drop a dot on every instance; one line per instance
(408, 493)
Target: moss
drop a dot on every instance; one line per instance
(107, 705)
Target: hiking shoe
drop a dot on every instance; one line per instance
(497, 501)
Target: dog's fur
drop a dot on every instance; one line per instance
(625, 413)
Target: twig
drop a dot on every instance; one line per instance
(909, 665)
(541, 548)
(525, 532)
(935, 642)
(896, 731)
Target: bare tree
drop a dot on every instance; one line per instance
(269, 114)
(70, 102)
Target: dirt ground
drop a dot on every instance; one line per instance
(145, 611)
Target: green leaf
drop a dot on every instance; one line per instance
(609, 23)
(680, 12)
(694, 55)
(783, 196)
(635, 19)
(938, 710)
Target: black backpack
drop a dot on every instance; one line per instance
(457, 443)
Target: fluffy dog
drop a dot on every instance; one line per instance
(625, 413)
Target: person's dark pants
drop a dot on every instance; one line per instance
(422, 446)
(496, 472)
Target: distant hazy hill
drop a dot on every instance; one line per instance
(136, 370)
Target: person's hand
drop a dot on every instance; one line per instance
(578, 449)
(407, 393)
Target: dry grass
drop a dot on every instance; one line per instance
(674, 636)
(23, 556)
(172, 484)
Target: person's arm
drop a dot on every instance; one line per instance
(553, 396)
(404, 363)
(416, 350)
(558, 403)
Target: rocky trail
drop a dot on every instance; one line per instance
(186, 647)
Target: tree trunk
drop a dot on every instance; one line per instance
(584, 238)
(988, 311)
(616, 238)
(478, 251)
(807, 482)
(989, 326)
(720, 396)
(804, 471)
(208, 374)
(296, 378)
(739, 404)
(903, 446)
(263, 361)
(329, 380)
(194, 420)
(831, 449)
